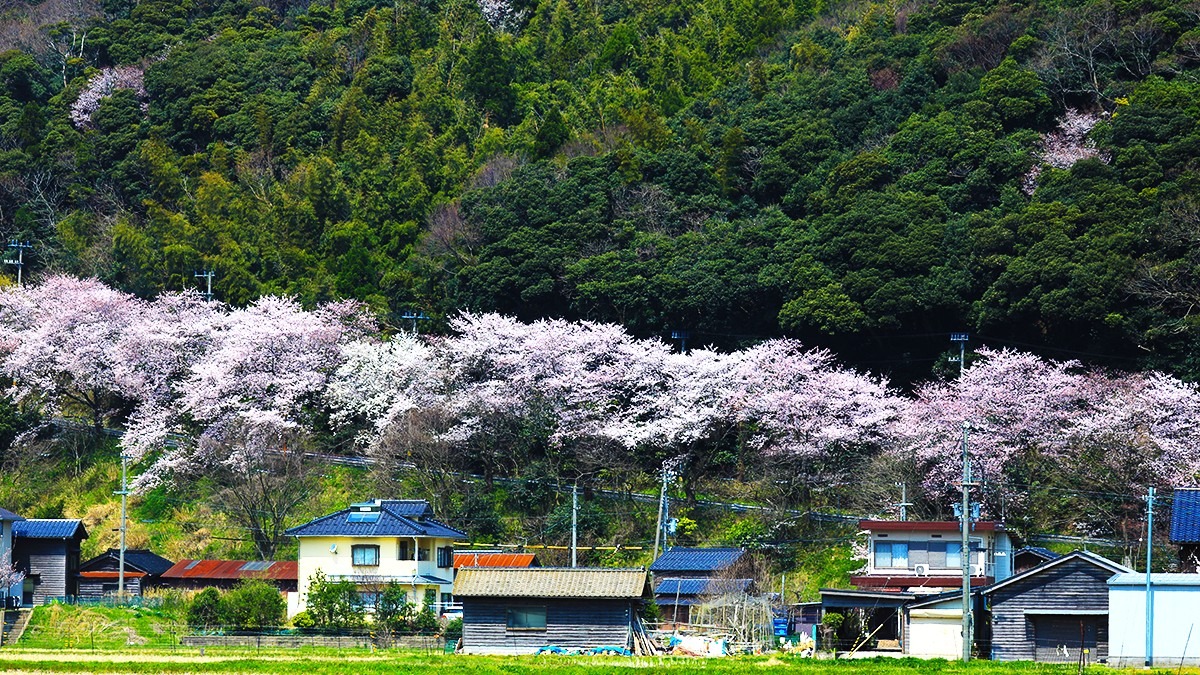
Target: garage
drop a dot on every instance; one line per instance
(1053, 612)
(1060, 638)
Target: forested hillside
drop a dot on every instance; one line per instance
(863, 176)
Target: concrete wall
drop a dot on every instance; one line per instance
(1176, 625)
(334, 557)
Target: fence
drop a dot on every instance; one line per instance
(157, 629)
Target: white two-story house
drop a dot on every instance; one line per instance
(376, 543)
(927, 557)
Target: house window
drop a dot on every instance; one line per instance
(527, 618)
(447, 600)
(423, 553)
(404, 550)
(369, 600)
(430, 598)
(891, 554)
(953, 554)
(362, 554)
(445, 556)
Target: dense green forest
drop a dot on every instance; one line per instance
(864, 176)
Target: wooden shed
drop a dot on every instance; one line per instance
(47, 550)
(519, 610)
(1053, 611)
(101, 575)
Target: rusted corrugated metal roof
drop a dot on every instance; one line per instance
(233, 569)
(493, 560)
(549, 582)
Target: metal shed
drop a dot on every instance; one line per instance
(519, 610)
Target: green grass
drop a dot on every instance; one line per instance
(363, 662)
(70, 627)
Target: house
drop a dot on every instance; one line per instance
(926, 556)
(47, 550)
(518, 611)
(1174, 601)
(933, 624)
(199, 574)
(676, 596)
(1185, 527)
(12, 594)
(375, 543)
(100, 576)
(1031, 556)
(685, 577)
(1052, 611)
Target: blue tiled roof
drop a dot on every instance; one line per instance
(1185, 516)
(48, 528)
(1043, 553)
(681, 559)
(397, 518)
(5, 514)
(671, 587)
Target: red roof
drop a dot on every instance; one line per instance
(109, 574)
(493, 560)
(927, 526)
(234, 569)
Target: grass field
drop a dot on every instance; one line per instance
(356, 662)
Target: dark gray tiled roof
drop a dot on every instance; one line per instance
(138, 559)
(397, 518)
(681, 559)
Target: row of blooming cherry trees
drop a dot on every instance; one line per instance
(197, 384)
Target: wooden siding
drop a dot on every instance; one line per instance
(55, 564)
(95, 588)
(573, 624)
(1070, 587)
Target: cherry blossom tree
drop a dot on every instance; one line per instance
(1017, 402)
(263, 375)
(58, 341)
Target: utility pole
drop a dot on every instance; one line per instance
(574, 523)
(961, 339)
(414, 317)
(20, 248)
(207, 275)
(682, 336)
(121, 556)
(662, 507)
(904, 503)
(1149, 590)
(966, 547)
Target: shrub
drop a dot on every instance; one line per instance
(253, 604)
(453, 630)
(426, 623)
(333, 604)
(205, 610)
(393, 612)
(303, 620)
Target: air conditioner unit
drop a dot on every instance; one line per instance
(921, 569)
(976, 570)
